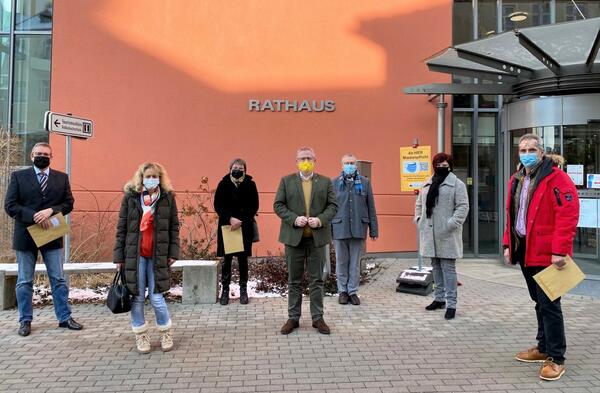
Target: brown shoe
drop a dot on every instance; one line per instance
(343, 299)
(551, 371)
(321, 326)
(532, 355)
(289, 326)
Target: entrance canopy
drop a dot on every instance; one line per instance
(543, 60)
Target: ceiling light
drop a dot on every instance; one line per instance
(518, 16)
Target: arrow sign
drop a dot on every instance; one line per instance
(69, 125)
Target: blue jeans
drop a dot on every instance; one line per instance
(53, 259)
(348, 253)
(444, 276)
(146, 279)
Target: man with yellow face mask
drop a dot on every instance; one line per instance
(306, 203)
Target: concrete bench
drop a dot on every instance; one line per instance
(200, 279)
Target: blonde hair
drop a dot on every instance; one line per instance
(137, 181)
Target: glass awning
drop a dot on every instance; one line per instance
(551, 59)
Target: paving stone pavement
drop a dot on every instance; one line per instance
(387, 344)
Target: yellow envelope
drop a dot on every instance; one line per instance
(232, 240)
(58, 228)
(557, 283)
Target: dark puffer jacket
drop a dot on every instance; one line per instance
(166, 238)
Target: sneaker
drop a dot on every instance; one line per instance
(289, 326)
(435, 305)
(321, 326)
(551, 371)
(354, 299)
(450, 313)
(532, 355)
(343, 299)
(166, 340)
(142, 342)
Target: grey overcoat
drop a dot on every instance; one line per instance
(355, 211)
(441, 235)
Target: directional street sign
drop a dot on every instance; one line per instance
(68, 125)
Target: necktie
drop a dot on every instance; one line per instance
(43, 181)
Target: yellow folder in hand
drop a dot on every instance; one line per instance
(232, 240)
(556, 283)
(58, 228)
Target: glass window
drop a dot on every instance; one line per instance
(462, 128)
(486, 20)
(550, 137)
(5, 15)
(462, 100)
(4, 67)
(33, 15)
(487, 195)
(32, 75)
(462, 21)
(530, 13)
(566, 10)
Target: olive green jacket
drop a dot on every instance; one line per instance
(289, 204)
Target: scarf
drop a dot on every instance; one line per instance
(434, 192)
(352, 178)
(148, 205)
(237, 182)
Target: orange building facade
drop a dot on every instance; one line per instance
(185, 83)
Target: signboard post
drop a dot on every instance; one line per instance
(69, 126)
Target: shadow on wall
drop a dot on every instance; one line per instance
(144, 109)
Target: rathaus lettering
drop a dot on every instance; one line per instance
(291, 106)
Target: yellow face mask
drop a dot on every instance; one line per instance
(306, 166)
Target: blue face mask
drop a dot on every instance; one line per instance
(150, 183)
(349, 169)
(529, 159)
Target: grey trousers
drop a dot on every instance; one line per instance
(347, 269)
(444, 276)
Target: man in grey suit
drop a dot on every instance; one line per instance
(305, 202)
(356, 212)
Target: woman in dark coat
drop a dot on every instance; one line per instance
(147, 244)
(236, 203)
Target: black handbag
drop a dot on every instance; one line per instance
(256, 237)
(118, 299)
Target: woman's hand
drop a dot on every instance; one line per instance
(120, 266)
(235, 223)
(171, 261)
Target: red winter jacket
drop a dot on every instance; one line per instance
(552, 216)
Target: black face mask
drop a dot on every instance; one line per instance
(236, 173)
(42, 162)
(442, 170)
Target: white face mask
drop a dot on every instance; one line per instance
(150, 183)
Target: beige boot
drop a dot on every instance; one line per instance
(166, 337)
(142, 339)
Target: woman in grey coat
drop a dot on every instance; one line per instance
(441, 209)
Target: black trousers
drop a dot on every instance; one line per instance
(242, 259)
(551, 328)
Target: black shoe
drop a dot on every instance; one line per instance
(243, 296)
(224, 297)
(450, 313)
(343, 299)
(435, 305)
(354, 299)
(25, 328)
(70, 324)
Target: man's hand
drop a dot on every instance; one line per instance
(314, 222)
(171, 261)
(507, 260)
(120, 266)
(235, 223)
(559, 261)
(301, 221)
(42, 215)
(373, 238)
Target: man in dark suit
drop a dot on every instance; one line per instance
(33, 196)
(306, 203)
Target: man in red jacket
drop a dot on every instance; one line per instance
(542, 212)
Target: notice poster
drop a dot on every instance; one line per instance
(593, 181)
(588, 213)
(415, 167)
(575, 172)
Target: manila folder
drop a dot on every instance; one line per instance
(557, 283)
(232, 240)
(58, 228)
